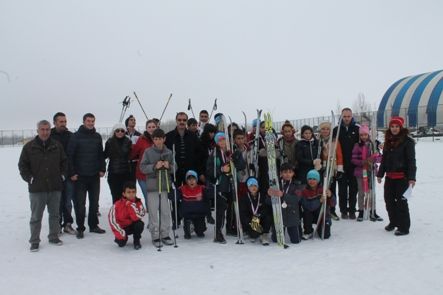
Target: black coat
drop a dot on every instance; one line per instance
(348, 137)
(246, 209)
(62, 137)
(223, 180)
(43, 165)
(193, 153)
(400, 158)
(305, 152)
(118, 151)
(291, 214)
(85, 153)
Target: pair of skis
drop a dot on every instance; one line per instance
(270, 140)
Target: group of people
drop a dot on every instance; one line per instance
(202, 173)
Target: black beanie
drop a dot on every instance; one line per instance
(306, 127)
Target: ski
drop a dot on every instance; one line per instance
(256, 143)
(270, 140)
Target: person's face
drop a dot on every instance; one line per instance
(191, 181)
(159, 141)
(312, 182)
(307, 134)
(44, 131)
(222, 144)
(193, 128)
(287, 175)
(181, 121)
(288, 133)
(119, 133)
(346, 117)
(131, 122)
(239, 140)
(151, 127)
(253, 189)
(204, 118)
(60, 123)
(211, 135)
(324, 132)
(130, 193)
(262, 129)
(364, 137)
(89, 122)
(395, 129)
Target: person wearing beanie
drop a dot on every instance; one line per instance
(337, 159)
(311, 200)
(364, 160)
(398, 166)
(307, 153)
(194, 205)
(118, 150)
(347, 183)
(254, 217)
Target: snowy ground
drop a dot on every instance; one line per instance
(359, 258)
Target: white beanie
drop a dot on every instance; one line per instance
(118, 126)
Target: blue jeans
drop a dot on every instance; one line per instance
(66, 203)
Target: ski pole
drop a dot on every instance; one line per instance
(190, 108)
(214, 108)
(143, 110)
(164, 109)
(126, 102)
(159, 209)
(175, 188)
(215, 192)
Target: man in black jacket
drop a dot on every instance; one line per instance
(347, 183)
(62, 135)
(42, 165)
(87, 165)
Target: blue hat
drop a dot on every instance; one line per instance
(218, 136)
(217, 118)
(254, 122)
(252, 181)
(191, 173)
(313, 174)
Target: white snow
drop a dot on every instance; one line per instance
(359, 258)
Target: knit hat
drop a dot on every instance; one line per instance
(364, 129)
(191, 173)
(306, 127)
(398, 121)
(118, 126)
(325, 125)
(252, 181)
(313, 174)
(217, 118)
(218, 136)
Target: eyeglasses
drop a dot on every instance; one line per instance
(182, 120)
(119, 130)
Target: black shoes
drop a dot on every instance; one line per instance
(219, 238)
(360, 215)
(210, 219)
(97, 230)
(389, 227)
(375, 217)
(56, 242)
(334, 216)
(34, 247)
(80, 234)
(352, 215)
(120, 243)
(344, 216)
(167, 241)
(401, 232)
(137, 245)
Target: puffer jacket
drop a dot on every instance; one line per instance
(118, 150)
(306, 152)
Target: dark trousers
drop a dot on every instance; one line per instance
(86, 185)
(136, 229)
(66, 203)
(198, 222)
(265, 222)
(231, 220)
(396, 204)
(116, 182)
(311, 217)
(294, 233)
(347, 193)
(221, 206)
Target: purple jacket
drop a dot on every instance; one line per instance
(357, 157)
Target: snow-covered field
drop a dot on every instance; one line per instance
(360, 258)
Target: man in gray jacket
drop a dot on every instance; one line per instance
(43, 165)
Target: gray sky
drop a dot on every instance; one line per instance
(296, 59)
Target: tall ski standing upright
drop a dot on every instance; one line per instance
(255, 148)
(270, 140)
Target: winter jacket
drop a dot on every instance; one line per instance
(122, 214)
(118, 151)
(150, 158)
(324, 145)
(291, 214)
(358, 158)
(43, 165)
(194, 201)
(399, 158)
(194, 157)
(246, 202)
(85, 153)
(310, 198)
(138, 149)
(348, 137)
(287, 151)
(306, 152)
(222, 179)
(62, 137)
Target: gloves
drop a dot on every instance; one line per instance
(317, 164)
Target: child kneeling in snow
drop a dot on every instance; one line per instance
(254, 217)
(311, 199)
(194, 205)
(290, 202)
(125, 216)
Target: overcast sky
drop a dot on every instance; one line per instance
(297, 59)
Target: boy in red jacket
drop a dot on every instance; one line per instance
(125, 217)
